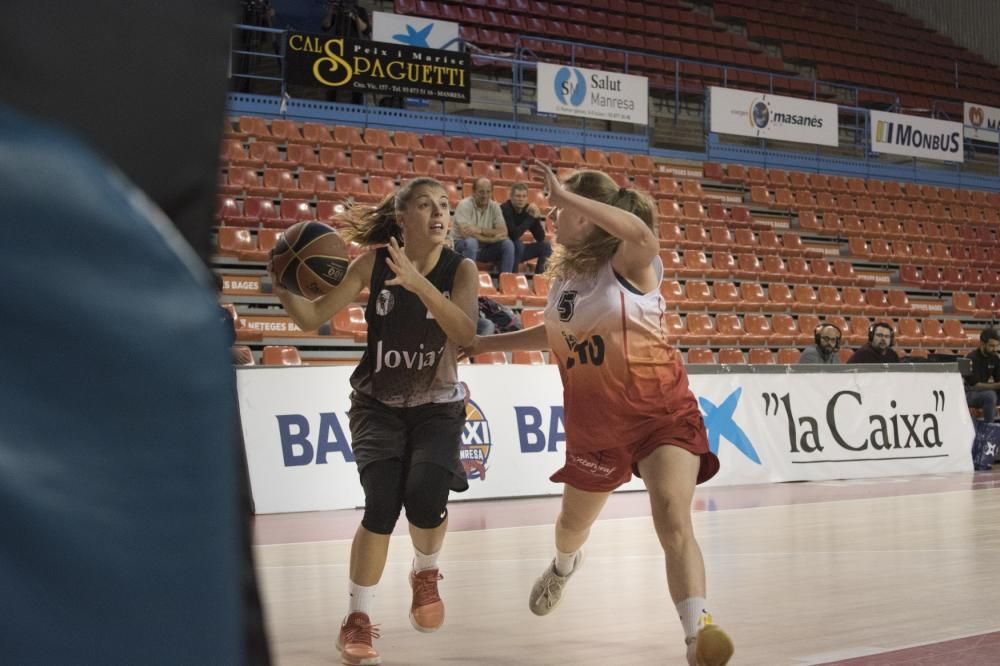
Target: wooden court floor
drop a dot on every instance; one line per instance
(874, 572)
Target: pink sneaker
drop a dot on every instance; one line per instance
(355, 641)
(427, 609)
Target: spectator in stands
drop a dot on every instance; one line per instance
(521, 216)
(881, 337)
(406, 417)
(982, 385)
(347, 18)
(824, 352)
(480, 233)
(629, 407)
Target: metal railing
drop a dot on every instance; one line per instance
(257, 61)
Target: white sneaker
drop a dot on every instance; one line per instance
(547, 590)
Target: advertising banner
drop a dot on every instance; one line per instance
(982, 122)
(589, 93)
(914, 136)
(773, 117)
(765, 428)
(375, 67)
(416, 31)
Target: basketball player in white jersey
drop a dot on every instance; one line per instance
(408, 407)
(628, 407)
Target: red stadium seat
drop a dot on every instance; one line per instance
(700, 356)
(280, 355)
(527, 357)
(490, 358)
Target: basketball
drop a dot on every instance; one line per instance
(309, 259)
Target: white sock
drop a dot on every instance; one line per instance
(361, 599)
(421, 561)
(565, 562)
(692, 611)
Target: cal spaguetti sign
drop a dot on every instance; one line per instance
(376, 67)
(914, 136)
(576, 91)
(773, 117)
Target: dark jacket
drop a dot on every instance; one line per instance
(985, 368)
(869, 354)
(518, 223)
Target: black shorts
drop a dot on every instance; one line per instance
(430, 433)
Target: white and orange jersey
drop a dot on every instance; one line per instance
(620, 374)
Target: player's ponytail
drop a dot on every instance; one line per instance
(600, 246)
(375, 225)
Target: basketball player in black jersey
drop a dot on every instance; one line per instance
(407, 408)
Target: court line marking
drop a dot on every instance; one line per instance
(548, 525)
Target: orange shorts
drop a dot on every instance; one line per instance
(606, 469)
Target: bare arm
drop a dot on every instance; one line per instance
(639, 246)
(310, 315)
(525, 339)
(986, 386)
(456, 316)
(499, 230)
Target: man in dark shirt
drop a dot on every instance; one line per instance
(982, 384)
(521, 216)
(879, 348)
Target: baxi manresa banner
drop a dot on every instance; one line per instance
(375, 67)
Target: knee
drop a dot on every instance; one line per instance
(381, 513)
(546, 249)
(672, 517)
(469, 248)
(426, 496)
(383, 495)
(571, 521)
(425, 511)
(989, 404)
(507, 247)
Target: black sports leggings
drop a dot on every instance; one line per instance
(390, 485)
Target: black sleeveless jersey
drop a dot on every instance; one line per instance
(409, 359)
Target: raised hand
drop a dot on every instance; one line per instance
(407, 275)
(554, 189)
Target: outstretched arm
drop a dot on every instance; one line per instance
(310, 315)
(526, 339)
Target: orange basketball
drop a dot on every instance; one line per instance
(309, 259)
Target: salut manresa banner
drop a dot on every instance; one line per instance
(375, 67)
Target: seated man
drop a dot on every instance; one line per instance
(879, 348)
(982, 384)
(825, 350)
(480, 233)
(521, 216)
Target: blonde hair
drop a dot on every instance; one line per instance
(599, 247)
(375, 225)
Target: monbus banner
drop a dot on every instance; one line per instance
(765, 428)
(375, 67)
(914, 136)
